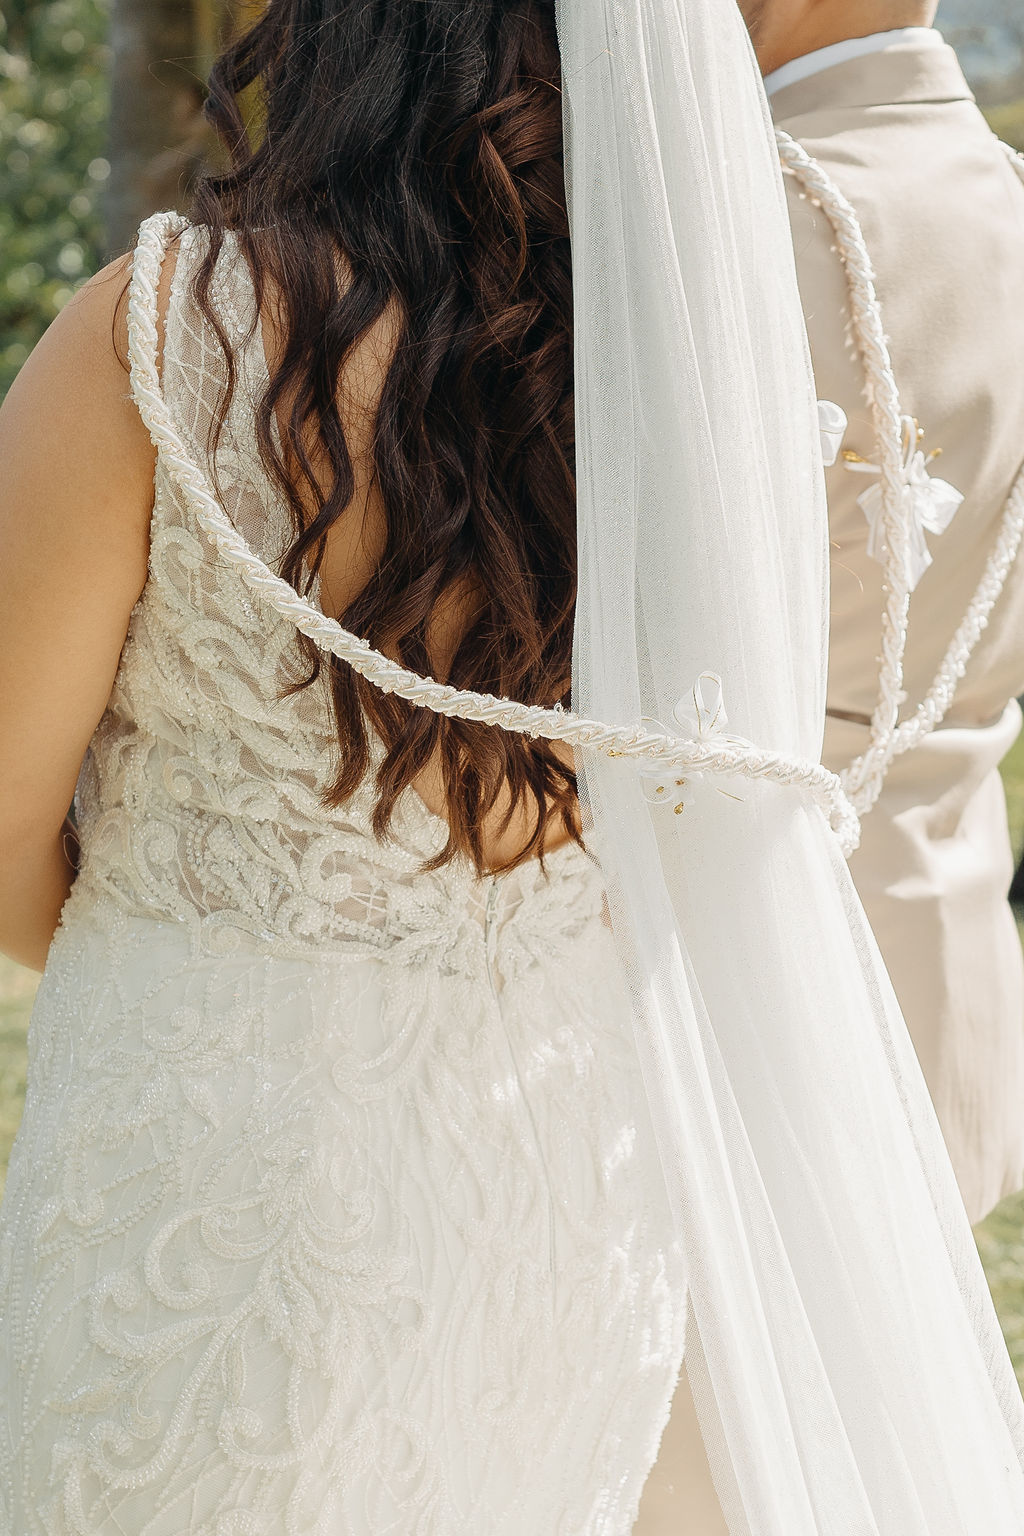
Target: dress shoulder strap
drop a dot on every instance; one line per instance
(668, 753)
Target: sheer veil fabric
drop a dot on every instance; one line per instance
(846, 1360)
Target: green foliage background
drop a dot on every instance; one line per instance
(53, 112)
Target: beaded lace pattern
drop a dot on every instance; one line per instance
(665, 752)
(890, 736)
(335, 1210)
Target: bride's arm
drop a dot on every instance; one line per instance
(76, 492)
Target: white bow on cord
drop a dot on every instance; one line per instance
(702, 717)
(929, 504)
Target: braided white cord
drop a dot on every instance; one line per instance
(864, 777)
(933, 707)
(665, 751)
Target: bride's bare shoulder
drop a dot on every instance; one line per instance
(96, 318)
(71, 438)
(76, 496)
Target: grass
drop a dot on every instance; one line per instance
(1013, 780)
(17, 989)
(1008, 122)
(1000, 1237)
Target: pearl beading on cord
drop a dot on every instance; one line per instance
(670, 753)
(864, 777)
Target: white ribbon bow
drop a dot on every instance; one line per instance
(701, 714)
(929, 505)
(832, 424)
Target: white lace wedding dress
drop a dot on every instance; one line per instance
(335, 1207)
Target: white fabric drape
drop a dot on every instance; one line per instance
(847, 1363)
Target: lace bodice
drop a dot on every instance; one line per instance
(201, 797)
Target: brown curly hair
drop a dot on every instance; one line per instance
(407, 160)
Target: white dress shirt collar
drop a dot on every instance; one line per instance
(849, 48)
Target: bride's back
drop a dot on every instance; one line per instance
(336, 1204)
(346, 1154)
(202, 799)
(401, 210)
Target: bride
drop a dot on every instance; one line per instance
(422, 1065)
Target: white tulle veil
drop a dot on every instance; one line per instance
(845, 1356)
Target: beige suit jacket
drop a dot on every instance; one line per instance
(943, 217)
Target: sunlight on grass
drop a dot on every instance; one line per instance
(17, 989)
(1013, 779)
(1000, 1238)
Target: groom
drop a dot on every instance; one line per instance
(872, 93)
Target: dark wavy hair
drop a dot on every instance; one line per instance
(407, 159)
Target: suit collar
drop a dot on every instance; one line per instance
(903, 73)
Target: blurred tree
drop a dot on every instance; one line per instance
(162, 51)
(53, 112)
(78, 170)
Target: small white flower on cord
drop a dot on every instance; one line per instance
(701, 714)
(928, 504)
